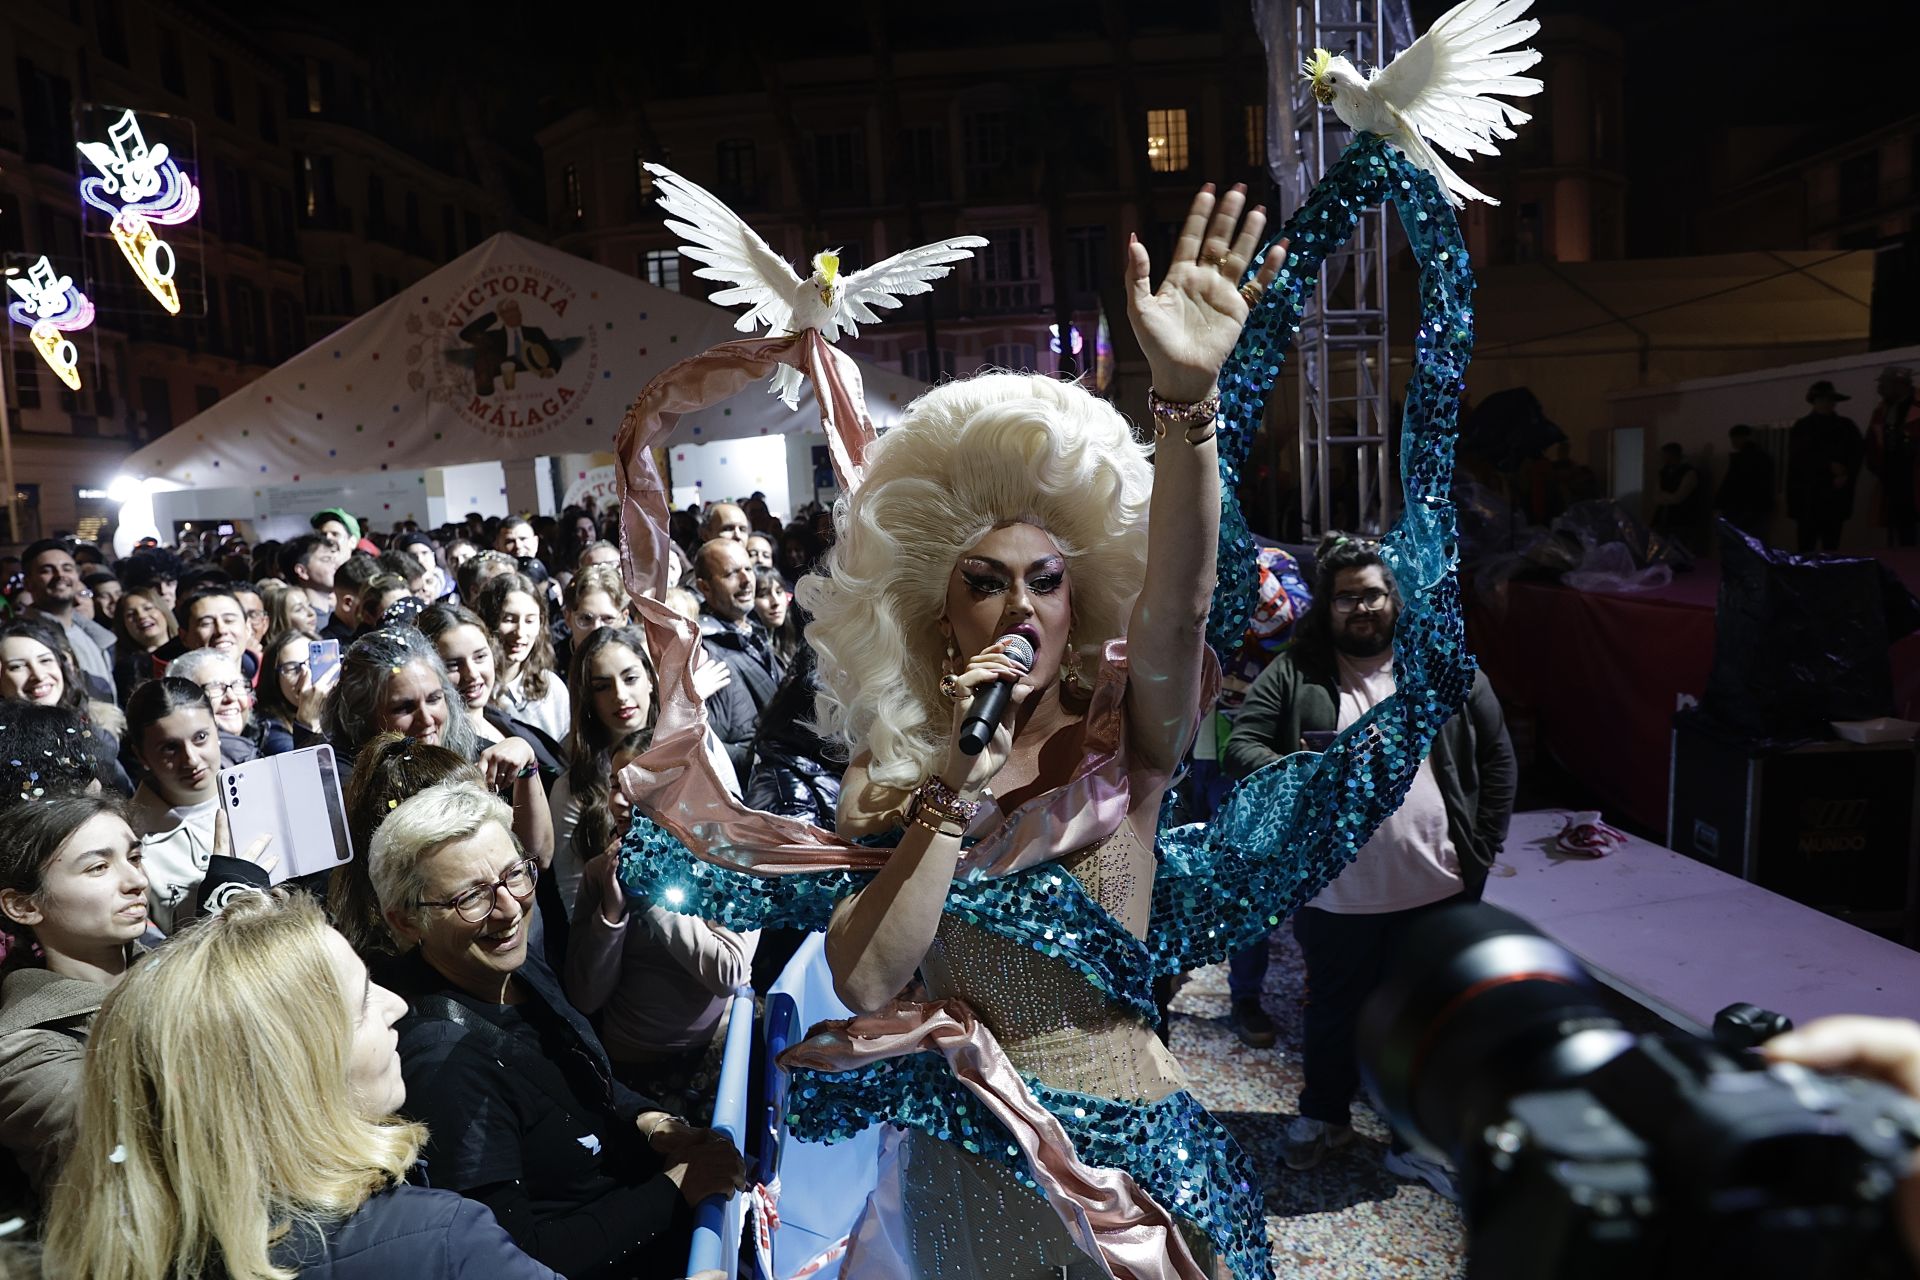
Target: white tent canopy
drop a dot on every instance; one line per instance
(514, 350)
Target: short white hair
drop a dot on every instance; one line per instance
(424, 823)
(969, 456)
(190, 665)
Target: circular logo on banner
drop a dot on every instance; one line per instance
(504, 354)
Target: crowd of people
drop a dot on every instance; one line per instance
(485, 1024)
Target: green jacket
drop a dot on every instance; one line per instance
(1473, 761)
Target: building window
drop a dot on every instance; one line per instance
(376, 206)
(319, 86)
(173, 71)
(643, 183)
(662, 267)
(46, 113)
(205, 397)
(472, 228)
(915, 363)
(346, 290)
(1086, 258)
(923, 158)
(1255, 119)
(737, 167)
(840, 162)
(222, 89)
(1004, 274)
(269, 116)
(988, 141)
(26, 378)
(571, 202)
(1167, 140)
(1860, 183)
(110, 31)
(1019, 357)
(316, 187)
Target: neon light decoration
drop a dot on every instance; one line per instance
(50, 307)
(140, 186)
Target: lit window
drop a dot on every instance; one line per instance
(662, 267)
(574, 205)
(917, 362)
(1167, 140)
(642, 180)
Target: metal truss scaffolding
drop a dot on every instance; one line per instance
(1341, 359)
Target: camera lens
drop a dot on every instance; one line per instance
(1477, 1007)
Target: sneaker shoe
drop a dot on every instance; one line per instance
(1309, 1141)
(1415, 1167)
(1251, 1023)
(1584, 835)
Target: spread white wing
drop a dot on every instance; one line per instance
(1441, 85)
(733, 251)
(886, 282)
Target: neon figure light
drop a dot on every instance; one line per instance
(50, 306)
(138, 187)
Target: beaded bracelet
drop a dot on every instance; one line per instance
(1192, 415)
(951, 815)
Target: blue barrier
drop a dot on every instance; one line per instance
(718, 1219)
(822, 1188)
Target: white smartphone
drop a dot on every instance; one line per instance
(295, 798)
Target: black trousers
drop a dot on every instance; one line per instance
(1819, 533)
(1347, 956)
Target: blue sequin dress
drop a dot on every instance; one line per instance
(1058, 958)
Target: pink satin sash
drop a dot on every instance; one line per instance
(1136, 1238)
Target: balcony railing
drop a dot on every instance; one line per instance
(1003, 298)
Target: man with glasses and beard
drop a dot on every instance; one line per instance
(1435, 849)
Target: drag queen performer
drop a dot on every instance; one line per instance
(998, 919)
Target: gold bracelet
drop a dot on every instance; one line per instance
(957, 830)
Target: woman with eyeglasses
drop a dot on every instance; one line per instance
(521, 1105)
(288, 702)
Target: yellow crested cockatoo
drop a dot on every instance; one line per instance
(1437, 90)
(781, 300)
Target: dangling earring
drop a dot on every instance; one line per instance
(1070, 667)
(952, 652)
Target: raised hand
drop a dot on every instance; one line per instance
(1188, 326)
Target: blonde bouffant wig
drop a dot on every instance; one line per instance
(969, 457)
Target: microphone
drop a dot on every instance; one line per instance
(983, 717)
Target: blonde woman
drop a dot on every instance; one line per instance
(237, 1119)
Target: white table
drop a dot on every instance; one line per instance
(1686, 940)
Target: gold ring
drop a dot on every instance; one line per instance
(1213, 259)
(1253, 291)
(950, 686)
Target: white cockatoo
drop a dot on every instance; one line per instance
(781, 300)
(1437, 90)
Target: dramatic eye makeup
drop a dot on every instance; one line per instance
(989, 577)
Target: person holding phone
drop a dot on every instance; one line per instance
(291, 695)
(524, 1112)
(238, 1119)
(171, 730)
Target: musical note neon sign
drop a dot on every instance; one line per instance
(51, 307)
(141, 186)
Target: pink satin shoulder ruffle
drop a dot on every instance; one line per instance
(700, 382)
(1136, 1238)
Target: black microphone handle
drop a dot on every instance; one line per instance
(983, 717)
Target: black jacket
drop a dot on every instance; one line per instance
(524, 1115)
(734, 712)
(410, 1232)
(796, 772)
(1473, 761)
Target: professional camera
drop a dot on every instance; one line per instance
(1584, 1150)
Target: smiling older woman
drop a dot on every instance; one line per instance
(588, 1176)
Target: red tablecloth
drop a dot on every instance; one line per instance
(1600, 673)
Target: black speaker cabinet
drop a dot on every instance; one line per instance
(1830, 824)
